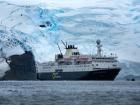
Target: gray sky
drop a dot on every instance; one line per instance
(68, 3)
(61, 3)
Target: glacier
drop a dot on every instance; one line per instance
(39, 27)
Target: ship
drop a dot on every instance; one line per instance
(72, 65)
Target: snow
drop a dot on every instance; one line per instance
(3, 67)
(79, 22)
(129, 68)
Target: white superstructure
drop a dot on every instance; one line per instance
(73, 61)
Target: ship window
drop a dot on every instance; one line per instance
(114, 65)
(75, 53)
(59, 70)
(96, 64)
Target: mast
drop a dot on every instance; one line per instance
(99, 48)
(59, 49)
(65, 44)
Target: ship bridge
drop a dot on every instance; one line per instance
(71, 50)
(72, 56)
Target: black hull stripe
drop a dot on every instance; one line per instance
(108, 74)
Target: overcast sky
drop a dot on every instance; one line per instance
(68, 3)
(62, 3)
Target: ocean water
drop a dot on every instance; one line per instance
(69, 93)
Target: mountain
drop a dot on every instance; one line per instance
(131, 78)
(129, 70)
(39, 28)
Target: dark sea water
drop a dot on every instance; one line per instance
(69, 93)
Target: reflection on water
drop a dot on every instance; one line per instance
(69, 93)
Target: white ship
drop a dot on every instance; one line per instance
(74, 66)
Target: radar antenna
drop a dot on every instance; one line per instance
(99, 48)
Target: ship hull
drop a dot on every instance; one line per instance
(100, 74)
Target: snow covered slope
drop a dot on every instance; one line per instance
(40, 27)
(129, 68)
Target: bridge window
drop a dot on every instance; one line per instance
(114, 65)
(75, 53)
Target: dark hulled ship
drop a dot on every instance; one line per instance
(69, 66)
(74, 66)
